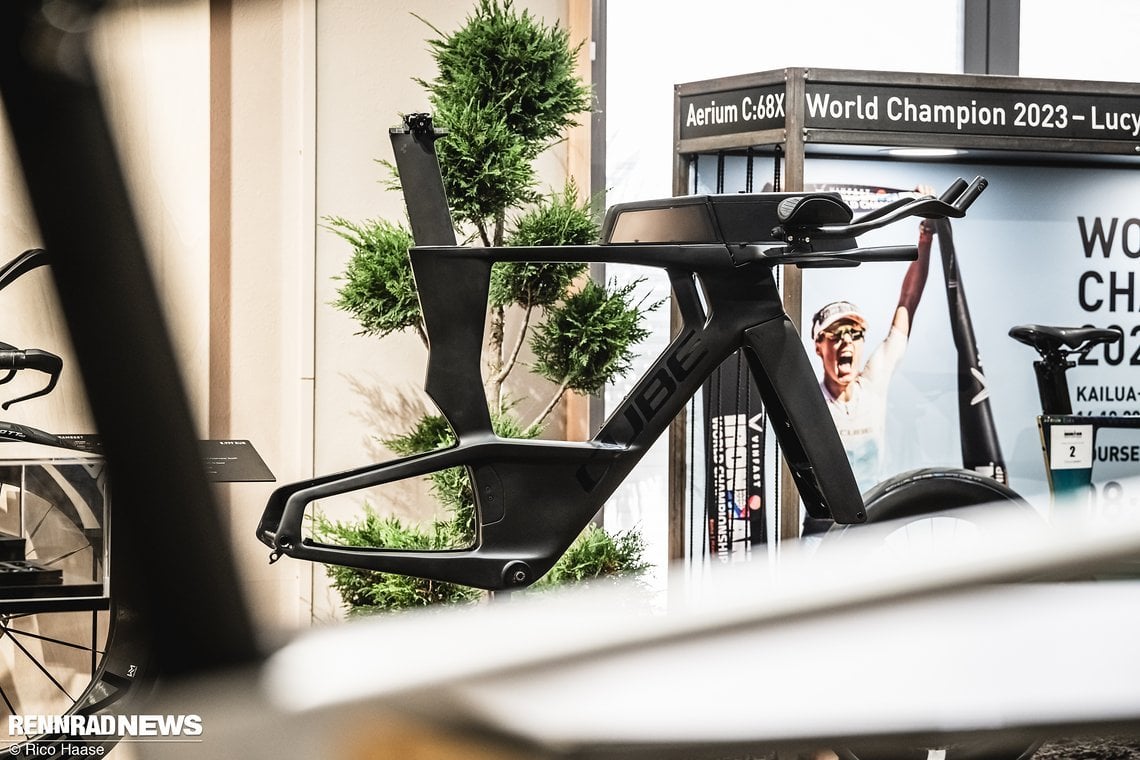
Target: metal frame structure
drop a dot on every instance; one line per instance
(818, 112)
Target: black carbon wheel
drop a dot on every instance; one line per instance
(927, 505)
(65, 653)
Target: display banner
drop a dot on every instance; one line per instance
(734, 467)
(1043, 245)
(915, 109)
(1000, 113)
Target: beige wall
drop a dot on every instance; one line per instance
(262, 223)
(154, 66)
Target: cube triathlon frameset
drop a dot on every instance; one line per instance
(532, 498)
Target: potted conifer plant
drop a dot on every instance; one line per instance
(505, 91)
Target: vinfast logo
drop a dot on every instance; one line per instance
(653, 394)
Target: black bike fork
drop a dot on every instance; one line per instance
(799, 417)
(981, 450)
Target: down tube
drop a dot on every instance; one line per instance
(803, 426)
(653, 403)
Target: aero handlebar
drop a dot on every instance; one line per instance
(22, 264)
(13, 360)
(798, 220)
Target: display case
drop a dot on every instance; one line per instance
(1045, 245)
(54, 531)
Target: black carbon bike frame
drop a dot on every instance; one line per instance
(533, 498)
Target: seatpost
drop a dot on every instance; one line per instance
(424, 195)
(1052, 385)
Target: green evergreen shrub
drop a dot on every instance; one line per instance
(505, 91)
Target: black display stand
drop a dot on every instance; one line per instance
(790, 115)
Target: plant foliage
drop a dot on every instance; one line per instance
(379, 290)
(559, 219)
(597, 554)
(368, 591)
(486, 170)
(593, 556)
(513, 64)
(505, 91)
(588, 338)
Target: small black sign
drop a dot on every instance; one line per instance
(226, 461)
(233, 461)
(750, 109)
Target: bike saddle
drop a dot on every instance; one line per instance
(1049, 340)
(812, 210)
